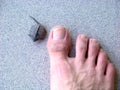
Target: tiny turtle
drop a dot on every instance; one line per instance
(38, 32)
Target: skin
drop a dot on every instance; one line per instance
(90, 69)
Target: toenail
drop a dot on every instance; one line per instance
(94, 40)
(58, 33)
(83, 36)
(101, 50)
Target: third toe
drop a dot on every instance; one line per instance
(93, 50)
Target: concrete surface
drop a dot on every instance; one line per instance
(24, 65)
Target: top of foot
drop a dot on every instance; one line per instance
(90, 69)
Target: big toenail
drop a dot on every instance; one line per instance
(58, 34)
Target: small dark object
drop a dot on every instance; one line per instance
(38, 31)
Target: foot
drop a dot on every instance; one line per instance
(89, 70)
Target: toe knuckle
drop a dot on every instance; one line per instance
(82, 48)
(58, 47)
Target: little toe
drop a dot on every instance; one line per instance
(102, 63)
(81, 47)
(59, 43)
(93, 51)
(110, 72)
(110, 76)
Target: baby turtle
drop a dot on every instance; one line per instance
(38, 32)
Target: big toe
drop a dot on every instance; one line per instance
(59, 43)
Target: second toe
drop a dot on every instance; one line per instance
(81, 48)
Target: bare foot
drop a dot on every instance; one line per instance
(89, 70)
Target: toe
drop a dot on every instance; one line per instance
(93, 51)
(102, 63)
(59, 43)
(81, 47)
(110, 72)
(110, 76)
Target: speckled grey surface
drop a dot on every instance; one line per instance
(24, 65)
